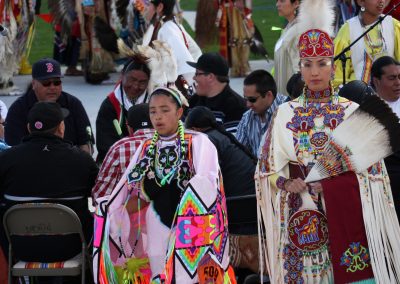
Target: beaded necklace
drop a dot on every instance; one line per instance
(153, 155)
(310, 138)
(380, 45)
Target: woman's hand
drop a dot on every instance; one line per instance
(316, 187)
(295, 185)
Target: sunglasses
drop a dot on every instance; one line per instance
(251, 99)
(47, 83)
(201, 73)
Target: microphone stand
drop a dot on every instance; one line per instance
(342, 55)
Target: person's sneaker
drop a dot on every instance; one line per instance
(72, 71)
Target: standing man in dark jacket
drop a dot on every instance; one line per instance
(46, 168)
(47, 86)
(213, 90)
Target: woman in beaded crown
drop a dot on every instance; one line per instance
(166, 219)
(326, 231)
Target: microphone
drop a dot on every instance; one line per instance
(3, 30)
(89, 142)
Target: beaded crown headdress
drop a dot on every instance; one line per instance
(315, 23)
(315, 43)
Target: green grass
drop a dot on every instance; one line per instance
(42, 45)
(264, 16)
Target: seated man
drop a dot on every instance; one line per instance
(111, 122)
(119, 155)
(213, 90)
(46, 168)
(262, 99)
(47, 86)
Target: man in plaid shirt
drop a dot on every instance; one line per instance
(119, 155)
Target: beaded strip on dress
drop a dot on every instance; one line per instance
(151, 166)
(376, 48)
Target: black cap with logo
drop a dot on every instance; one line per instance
(46, 115)
(46, 68)
(138, 117)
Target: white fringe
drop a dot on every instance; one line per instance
(382, 227)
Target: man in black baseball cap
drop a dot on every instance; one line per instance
(44, 167)
(47, 87)
(213, 90)
(139, 117)
(212, 63)
(44, 117)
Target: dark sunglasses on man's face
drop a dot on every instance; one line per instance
(47, 83)
(251, 99)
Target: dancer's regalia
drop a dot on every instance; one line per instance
(230, 21)
(347, 233)
(182, 235)
(17, 17)
(383, 39)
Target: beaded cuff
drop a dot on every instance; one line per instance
(280, 182)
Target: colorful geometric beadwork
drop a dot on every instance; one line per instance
(293, 264)
(190, 258)
(191, 203)
(315, 43)
(280, 182)
(356, 257)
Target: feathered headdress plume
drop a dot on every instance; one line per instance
(169, 63)
(368, 135)
(316, 14)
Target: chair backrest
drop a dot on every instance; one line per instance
(30, 224)
(32, 219)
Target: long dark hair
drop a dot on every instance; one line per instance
(203, 117)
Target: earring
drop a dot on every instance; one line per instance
(362, 9)
(332, 76)
(301, 78)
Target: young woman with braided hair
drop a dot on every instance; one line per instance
(167, 216)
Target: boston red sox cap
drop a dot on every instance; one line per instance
(46, 68)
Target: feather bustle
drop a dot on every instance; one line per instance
(363, 139)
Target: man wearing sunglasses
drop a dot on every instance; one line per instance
(47, 87)
(262, 99)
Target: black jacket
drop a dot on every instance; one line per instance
(44, 165)
(77, 124)
(106, 134)
(238, 176)
(47, 166)
(392, 164)
(228, 106)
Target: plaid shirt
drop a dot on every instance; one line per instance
(251, 129)
(116, 162)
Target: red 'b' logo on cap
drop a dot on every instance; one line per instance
(50, 67)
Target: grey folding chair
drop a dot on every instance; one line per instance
(30, 220)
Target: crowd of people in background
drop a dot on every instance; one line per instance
(190, 176)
